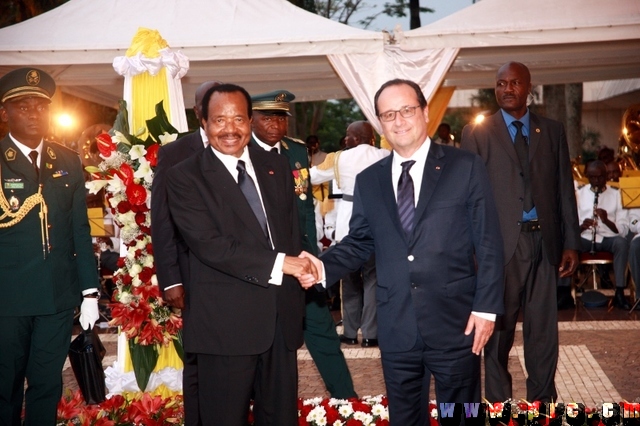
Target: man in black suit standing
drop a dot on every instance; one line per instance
(528, 162)
(428, 214)
(237, 215)
(170, 251)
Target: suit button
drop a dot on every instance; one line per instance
(414, 286)
(521, 199)
(410, 257)
(521, 174)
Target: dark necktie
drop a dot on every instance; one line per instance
(406, 204)
(248, 188)
(274, 149)
(522, 149)
(34, 161)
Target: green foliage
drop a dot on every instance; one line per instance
(338, 114)
(590, 144)
(144, 359)
(177, 344)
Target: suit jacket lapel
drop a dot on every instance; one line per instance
(534, 135)
(502, 136)
(220, 181)
(268, 191)
(386, 184)
(432, 171)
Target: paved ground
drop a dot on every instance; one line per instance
(599, 360)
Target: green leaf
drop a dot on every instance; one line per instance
(144, 359)
(160, 124)
(92, 169)
(122, 119)
(177, 343)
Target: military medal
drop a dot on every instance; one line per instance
(14, 204)
(301, 181)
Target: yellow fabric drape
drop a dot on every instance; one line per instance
(146, 89)
(168, 357)
(437, 108)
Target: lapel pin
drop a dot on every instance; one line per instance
(537, 130)
(49, 165)
(271, 172)
(51, 153)
(10, 154)
(437, 167)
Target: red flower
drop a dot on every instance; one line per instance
(140, 218)
(353, 422)
(123, 207)
(145, 275)
(125, 173)
(385, 422)
(146, 410)
(70, 407)
(149, 248)
(361, 406)
(332, 414)
(136, 193)
(152, 154)
(105, 144)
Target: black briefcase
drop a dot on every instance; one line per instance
(85, 354)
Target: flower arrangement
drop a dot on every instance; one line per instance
(144, 409)
(126, 174)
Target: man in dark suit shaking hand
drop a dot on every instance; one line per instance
(235, 210)
(528, 163)
(428, 214)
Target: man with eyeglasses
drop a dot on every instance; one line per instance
(427, 213)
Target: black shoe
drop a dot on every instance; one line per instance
(619, 300)
(347, 340)
(565, 301)
(369, 343)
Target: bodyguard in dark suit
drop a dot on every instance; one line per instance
(169, 248)
(232, 207)
(271, 111)
(537, 209)
(46, 254)
(428, 214)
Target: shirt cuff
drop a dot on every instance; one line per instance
(172, 286)
(276, 272)
(89, 291)
(485, 315)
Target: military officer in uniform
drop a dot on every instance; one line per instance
(270, 113)
(46, 256)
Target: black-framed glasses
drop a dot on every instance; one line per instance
(405, 112)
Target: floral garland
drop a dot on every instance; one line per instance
(144, 409)
(126, 174)
(148, 410)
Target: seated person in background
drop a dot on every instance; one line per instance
(444, 136)
(610, 221)
(613, 171)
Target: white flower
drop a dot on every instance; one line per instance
(312, 401)
(135, 270)
(338, 423)
(116, 185)
(125, 297)
(148, 261)
(379, 410)
(365, 418)
(165, 138)
(318, 416)
(137, 152)
(346, 410)
(136, 281)
(94, 186)
(144, 170)
(154, 279)
(119, 137)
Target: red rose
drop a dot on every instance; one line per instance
(121, 262)
(136, 194)
(105, 144)
(140, 218)
(123, 207)
(150, 248)
(145, 275)
(152, 154)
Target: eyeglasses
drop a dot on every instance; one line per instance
(405, 112)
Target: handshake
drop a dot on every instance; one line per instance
(306, 268)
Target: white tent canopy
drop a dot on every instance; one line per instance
(564, 41)
(262, 46)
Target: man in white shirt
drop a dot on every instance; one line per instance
(604, 223)
(359, 287)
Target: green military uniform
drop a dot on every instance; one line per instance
(46, 260)
(320, 335)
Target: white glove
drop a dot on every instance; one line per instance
(89, 312)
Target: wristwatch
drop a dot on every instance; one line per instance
(94, 295)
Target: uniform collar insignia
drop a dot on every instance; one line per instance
(284, 144)
(52, 154)
(10, 154)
